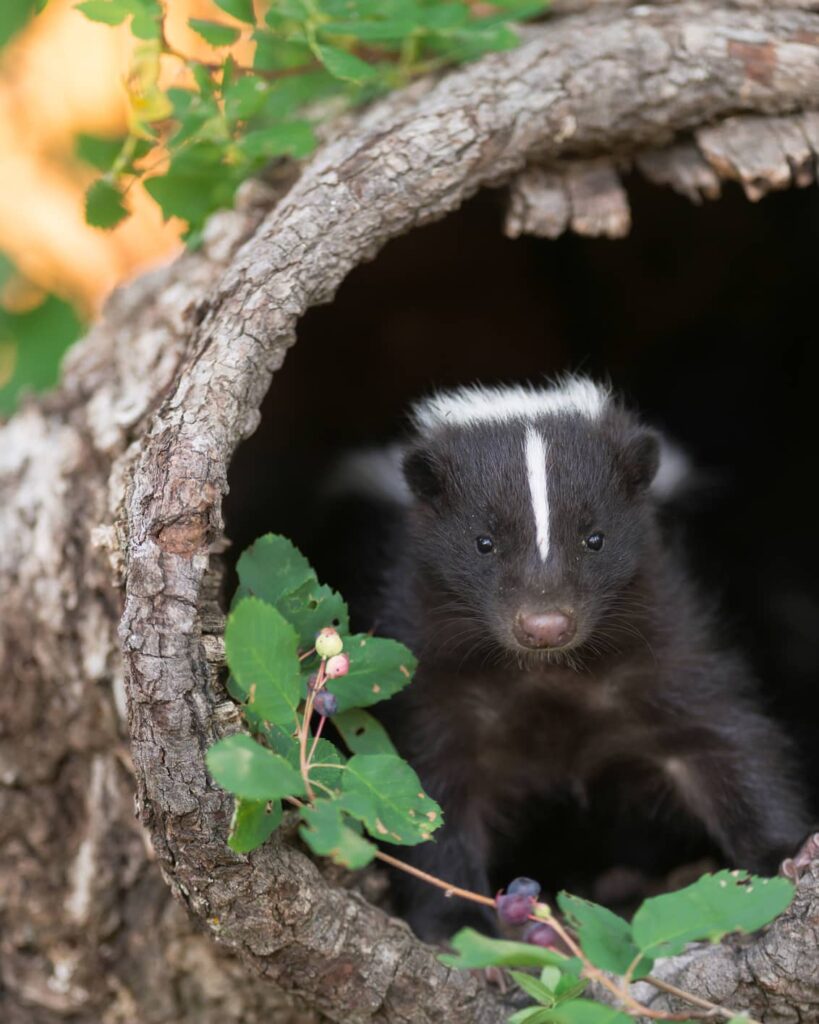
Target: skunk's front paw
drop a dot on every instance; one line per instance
(793, 867)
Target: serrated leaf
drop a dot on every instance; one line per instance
(213, 32)
(400, 812)
(103, 205)
(362, 733)
(31, 347)
(261, 651)
(108, 12)
(247, 769)
(15, 15)
(253, 822)
(474, 950)
(276, 54)
(312, 607)
(245, 97)
(242, 10)
(326, 753)
(293, 138)
(278, 738)
(714, 906)
(345, 66)
(290, 94)
(584, 1011)
(533, 988)
(386, 31)
(326, 833)
(271, 567)
(530, 1015)
(379, 668)
(604, 937)
(98, 150)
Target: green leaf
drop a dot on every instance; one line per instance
(379, 668)
(345, 66)
(245, 97)
(242, 10)
(530, 1015)
(604, 937)
(326, 753)
(714, 906)
(261, 650)
(103, 205)
(473, 950)
(326, 834)
(397, 809)
(14, 15)
(253, 822)
(290, 94)
(213, 32)
(294, 138)
(108, 12)
(312, 607)
(534, 989)
(277, 572)
(392, 31)
(98, 150)
(584, 1011)
(31, 347)
(272, 567)
(276, 54)
(251, 771)
(362, 733)
(196, 183)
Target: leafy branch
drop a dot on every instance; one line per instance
(311, 59)
(292, 660)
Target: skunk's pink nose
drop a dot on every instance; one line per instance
(544, 629)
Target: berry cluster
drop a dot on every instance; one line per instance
(518, 905)
(334, 665)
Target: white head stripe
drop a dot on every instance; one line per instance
(535, 448)
(471, 405)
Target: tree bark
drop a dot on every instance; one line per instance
(110, 514)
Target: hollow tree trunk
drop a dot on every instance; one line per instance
(110, 512)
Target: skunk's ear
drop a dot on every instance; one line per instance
(423, 473)
(640, 459)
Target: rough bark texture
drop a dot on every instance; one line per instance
(110, 511)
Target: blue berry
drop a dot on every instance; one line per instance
(539, 934)
(514, 908)
(526, 886)
(326, 703)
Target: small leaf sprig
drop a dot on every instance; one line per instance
(287, 667)
(228, 116)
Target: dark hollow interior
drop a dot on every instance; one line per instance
(704, 317)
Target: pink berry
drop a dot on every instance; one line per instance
(514, 908)
(328, 642)
(338, 665)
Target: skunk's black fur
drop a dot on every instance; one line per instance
(644, 689)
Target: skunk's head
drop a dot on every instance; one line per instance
(532, 510)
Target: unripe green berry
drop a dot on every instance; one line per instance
(328, 643)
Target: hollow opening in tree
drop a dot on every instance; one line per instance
(701, 316)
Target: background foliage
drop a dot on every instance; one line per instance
(216, 91)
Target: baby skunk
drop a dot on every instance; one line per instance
(559, 641)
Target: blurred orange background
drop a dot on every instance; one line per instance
(61, 76)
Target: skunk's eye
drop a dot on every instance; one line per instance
(485, 545)
(594, 541)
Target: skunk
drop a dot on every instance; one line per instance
(559, 638)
